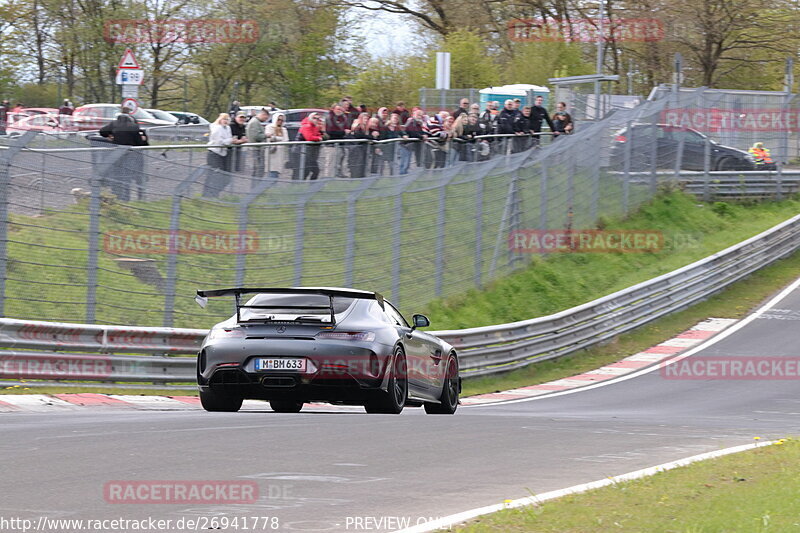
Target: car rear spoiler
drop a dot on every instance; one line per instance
(203, 296)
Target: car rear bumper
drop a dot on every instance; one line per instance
(333, 386)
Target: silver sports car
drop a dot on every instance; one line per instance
(296, 345)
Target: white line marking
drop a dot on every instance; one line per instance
(453, 519)
(716, 338)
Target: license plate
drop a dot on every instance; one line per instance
(293, 364)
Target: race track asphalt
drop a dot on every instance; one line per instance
(329, 471)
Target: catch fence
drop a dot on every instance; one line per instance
(126, 235)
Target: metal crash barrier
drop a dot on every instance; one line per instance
(50, 351)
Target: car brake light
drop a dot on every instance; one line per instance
(227, 364)
(620, 138)
(226, 333)
(362, 336)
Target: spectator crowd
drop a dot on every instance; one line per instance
(431, 141)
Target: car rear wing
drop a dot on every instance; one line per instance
(203, 296)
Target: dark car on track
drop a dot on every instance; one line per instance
(644, 139)
(291, 346)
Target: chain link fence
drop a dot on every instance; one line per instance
(125, 236)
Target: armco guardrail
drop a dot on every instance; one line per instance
(483, 350)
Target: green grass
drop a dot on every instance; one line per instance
(756, 491)
(693, 230)
(734, 302)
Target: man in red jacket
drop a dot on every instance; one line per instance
(311, 131)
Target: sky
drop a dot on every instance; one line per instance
(387, 33)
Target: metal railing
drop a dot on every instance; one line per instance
(482, 351)
(73, 218)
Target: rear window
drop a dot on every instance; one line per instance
(292, 306)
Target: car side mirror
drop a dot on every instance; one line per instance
(420, 321)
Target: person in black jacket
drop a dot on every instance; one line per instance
(239, 132)
(525, 127)
(130, 168)
(507, 123)
(538, 114)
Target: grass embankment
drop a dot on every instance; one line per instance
(693, 230)
(752, 491)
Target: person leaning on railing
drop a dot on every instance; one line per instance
(276, 132)
(562, 121)
(392, 130)
(357, 158)
(124, 130)
(307, 156)
(254, 131)
(414, 129)
(539, 114)
(219, 139)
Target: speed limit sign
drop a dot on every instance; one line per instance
(131, 104)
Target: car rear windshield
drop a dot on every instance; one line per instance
(312, 307)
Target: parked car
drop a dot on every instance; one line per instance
(163, 115)
(44, 123)
(185, 117)
(40, 111)
(665, 140)
(98, 115)
(296, 345)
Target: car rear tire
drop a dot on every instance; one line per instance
(285, 406)
(726, 163)
(394, 399)
(215, 401)
(449, 397)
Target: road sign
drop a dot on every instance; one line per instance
(131, 104)
(128, 60)
(130, 76)
(130, 91)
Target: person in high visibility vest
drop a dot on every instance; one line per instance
(760, 154)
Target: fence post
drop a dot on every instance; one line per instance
(479, 230)
(299, 231)
(543, 185)
(441, 219)
(6, 156)
(505, 219)
(706, 169)
(626, 166)
(595, 193)
(350, 244)
(112, 157)
(397, 237)
(172, 259)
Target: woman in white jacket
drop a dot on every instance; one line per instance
(218, 177)
(276, 133)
